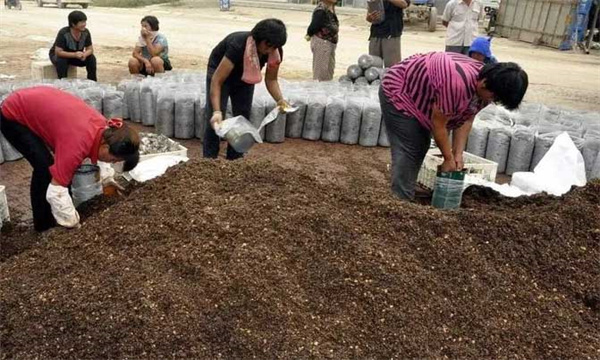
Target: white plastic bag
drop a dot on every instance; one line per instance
(315, 112)
(154, 167)
(295, 120)
(184, 115)
(350, 131)
(332, 122)
(112, 104)
(371, 124)
(165, 112)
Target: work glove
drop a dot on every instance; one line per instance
(107, 176)
(62, 206)
(283, 105)
(216, 120)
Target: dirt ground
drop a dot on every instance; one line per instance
(556, 78)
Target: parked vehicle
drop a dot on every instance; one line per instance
(16, 4)
(422, 10)
(63, 3)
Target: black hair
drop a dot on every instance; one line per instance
(507, 81)
(124, 143)
(152, 21)
(76, 17)
(272, 31)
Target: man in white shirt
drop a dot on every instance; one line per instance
(461, 17)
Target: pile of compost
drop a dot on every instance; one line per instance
(247, 259)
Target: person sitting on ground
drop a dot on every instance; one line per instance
(56, 131)
(481, 50)
(151, 53)
(73, 46)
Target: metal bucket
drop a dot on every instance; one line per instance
(86, 175)
(86, 183)
(241, 141)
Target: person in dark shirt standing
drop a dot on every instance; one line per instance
(386, 30)
(323, 35)
(234, 67)
(73, 46)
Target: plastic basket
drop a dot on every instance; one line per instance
(476, 167)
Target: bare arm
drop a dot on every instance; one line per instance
(64, 54)
(88, 51)
(402, 4)
(459, 141)
(154, 50)
(272, 83)
(216, 83)
(137, 53)
(440, 134)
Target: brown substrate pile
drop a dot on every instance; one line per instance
(249, 260)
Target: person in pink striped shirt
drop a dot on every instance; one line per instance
(431, 94)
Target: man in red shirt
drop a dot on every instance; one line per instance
(55, 131)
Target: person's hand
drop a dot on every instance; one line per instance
(373, 16)
(448, 165)
(80, 55)
(148, 66)
(460, 163)
(145, 33)
(216, 120)
(111, 187)
(283, 105)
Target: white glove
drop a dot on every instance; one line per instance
(107, 175)
(106, 171)
(62, 206)
(216, 120)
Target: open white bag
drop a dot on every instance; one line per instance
(560, 169)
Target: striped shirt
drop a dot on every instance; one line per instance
(448, 80)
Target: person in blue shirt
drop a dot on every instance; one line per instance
(481, 50)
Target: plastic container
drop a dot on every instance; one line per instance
(86, 184)
(376, 5)
(184, 115)
(447, 193)
(4, 214)
(239, 133)
(475, 167)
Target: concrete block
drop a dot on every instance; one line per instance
(44, 69)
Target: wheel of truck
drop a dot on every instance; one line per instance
(84, 6)
(432, 21)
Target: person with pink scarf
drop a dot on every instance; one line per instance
(234, 67)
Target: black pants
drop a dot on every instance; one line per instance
(35, 151)
(409, 145)
(62, 66)
(241, 102)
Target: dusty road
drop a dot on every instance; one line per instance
(557, 78)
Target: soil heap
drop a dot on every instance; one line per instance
(247, 259)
